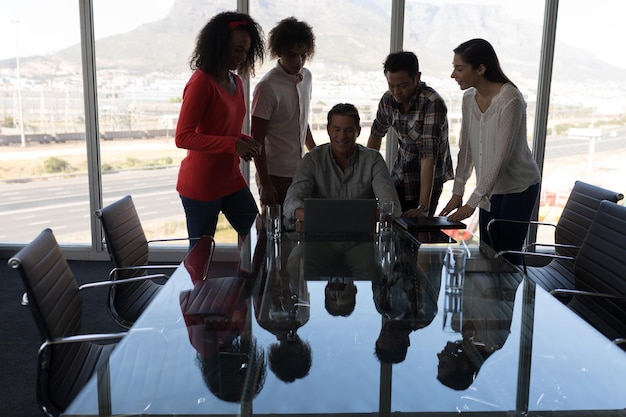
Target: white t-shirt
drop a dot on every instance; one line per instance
(495, 143)
(285, 101)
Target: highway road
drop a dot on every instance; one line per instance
(62, 204)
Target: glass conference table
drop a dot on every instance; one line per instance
(356, 328)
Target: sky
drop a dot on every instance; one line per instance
(35, 33)
(31, 33)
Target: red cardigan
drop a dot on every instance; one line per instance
(210, 122)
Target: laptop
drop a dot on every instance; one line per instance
(427, 223)
(339, 217)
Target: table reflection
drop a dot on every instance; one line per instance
(403, 294)
(361, 326)
(483, 327)
(215, 312)
(281, 304)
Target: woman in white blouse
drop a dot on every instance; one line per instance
(493, 141)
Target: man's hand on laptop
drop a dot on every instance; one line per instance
(299, 215)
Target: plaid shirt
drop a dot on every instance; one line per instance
(422, 134)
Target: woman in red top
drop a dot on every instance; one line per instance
(210, 123)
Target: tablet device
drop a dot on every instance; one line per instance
(427, 223)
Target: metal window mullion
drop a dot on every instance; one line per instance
(395, 44)
(94, 173)
(543, 93)
(245, 246)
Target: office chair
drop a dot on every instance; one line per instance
(569, 233)
(600, 293)
(67, 359)
(129, 250)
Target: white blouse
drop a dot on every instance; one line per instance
(495, 143)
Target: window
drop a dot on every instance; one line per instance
(347, 65)
(433, 29)
(586, 121)
(43, 164)
(142, 68)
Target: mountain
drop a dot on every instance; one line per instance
(346, 35)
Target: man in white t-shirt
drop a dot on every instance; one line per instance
(280, 109)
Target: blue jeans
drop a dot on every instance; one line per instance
(506, 235)
(239, 208)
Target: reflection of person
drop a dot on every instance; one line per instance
(226, 355)
(280, 109)
(493, 140)
(418, 115)
(225, 373)
(486, 321)
(340, 263)
(210, 123)
(406, 298)
(282, 307)
(291, 357)
(340, 296)
(340, 169)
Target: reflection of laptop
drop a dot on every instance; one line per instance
(322, 258)
(327, 216)
(426, 223)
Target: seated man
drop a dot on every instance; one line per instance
(340, 169)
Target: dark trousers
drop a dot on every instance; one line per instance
(413, 203)
(239, 208)
(506, 235)
(281, 184)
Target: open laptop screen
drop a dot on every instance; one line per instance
(339, 216)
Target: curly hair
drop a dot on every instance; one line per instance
(288, 33)
(212, 44)
(290, 360)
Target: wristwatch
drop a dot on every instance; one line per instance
(422, 207)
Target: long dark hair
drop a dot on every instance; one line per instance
(211, 52)
(478, 51)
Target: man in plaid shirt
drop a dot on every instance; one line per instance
(418, 115)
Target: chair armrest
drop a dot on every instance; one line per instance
(173, 239)
(99, 284)
(537, 223)
(534, 254)
(95, 337)
(533, 222)
(114, 271)
(580, 293)
(529, 222)
(549, 245)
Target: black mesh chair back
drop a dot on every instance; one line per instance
(56, 305)
(128, 248)
(571, 229)
(601, 268)
(578, 214)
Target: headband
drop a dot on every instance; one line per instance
(236, 24)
